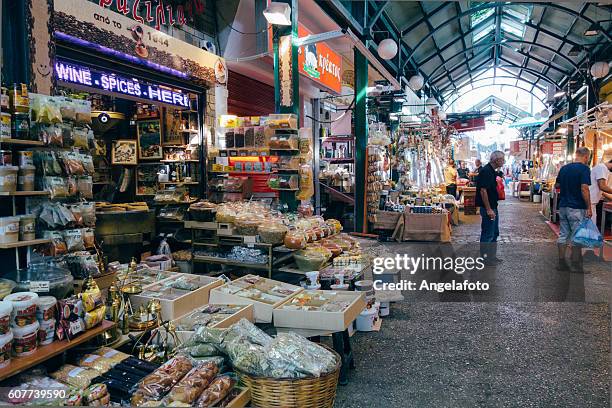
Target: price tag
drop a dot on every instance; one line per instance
(250, 239)
(39, 286)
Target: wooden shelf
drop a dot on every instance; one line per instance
(23, 193)
(186, 183)
(19, 244)
(22, 142)
(180, 161)
(176, 146)
(43, 353)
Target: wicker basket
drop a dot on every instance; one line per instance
(311, 392)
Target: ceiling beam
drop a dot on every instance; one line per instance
(486, 6)
(377, 14)
(411, 27)
(336, 10)
(450, 102)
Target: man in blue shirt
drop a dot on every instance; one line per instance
(573, 181)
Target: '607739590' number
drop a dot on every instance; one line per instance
(37, 394)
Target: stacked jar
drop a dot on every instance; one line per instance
(5, 115)
(6, 335)
(23, 322)
(20, 108)
(46, 311)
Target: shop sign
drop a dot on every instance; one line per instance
(156, 12)
(319, 63)
(88, 25)
(110, 82)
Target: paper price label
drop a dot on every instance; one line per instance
(39, 286)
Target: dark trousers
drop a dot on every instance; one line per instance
(452, 190)
(489, 232)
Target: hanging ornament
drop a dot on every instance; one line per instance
(416, 82)
(544, 114)
(387, 49)
(600, 69)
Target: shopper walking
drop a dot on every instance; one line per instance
(573, 182)
(486, 199)
(450, 178)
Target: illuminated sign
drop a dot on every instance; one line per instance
(110, 82)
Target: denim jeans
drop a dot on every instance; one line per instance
(569, 220)
(489, 231)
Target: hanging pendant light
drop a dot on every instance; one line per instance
(600, 69)
(416, 82)
(387, 49)
(544, 114)
(537, 116)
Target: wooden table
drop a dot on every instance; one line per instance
(44, 353)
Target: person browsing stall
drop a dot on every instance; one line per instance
(573, 182)
(599, 185)
(450, 178)
(486, 199)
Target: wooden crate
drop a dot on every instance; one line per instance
(386, 220)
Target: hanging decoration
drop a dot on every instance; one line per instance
(600, 69)
(387, 49)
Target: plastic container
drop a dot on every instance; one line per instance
(366, 320)
(8, 178)
(25, 339)
(27, 227)
(21, 126)
(46, 332)
(60, 280)
(9, 230)
(25, 182)
(5, 317)
(46, 308)
(309, 263)
(24, 308)
(6, 345)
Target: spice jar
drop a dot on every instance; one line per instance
(19, 98)
(25, 158)
(27, 227)
(4, 99)
(25, 182)
(6, 158)
(8, 178)
(24, 308)
(5, 125)
(21, 126)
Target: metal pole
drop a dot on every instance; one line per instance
(316, 147)
(361, 140)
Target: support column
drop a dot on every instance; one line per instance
(286, 79)
(286, 74)
(361, 141)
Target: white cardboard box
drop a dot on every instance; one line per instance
(321, 320)
(186, 302)
(246, 312)
(262, 310)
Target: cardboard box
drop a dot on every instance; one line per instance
(321, 320)
(262, 310)
(184, 302)
(246, 312)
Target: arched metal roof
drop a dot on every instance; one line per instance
(450, 42)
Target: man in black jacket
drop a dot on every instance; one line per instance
(486, 199)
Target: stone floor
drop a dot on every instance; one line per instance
(538, 339)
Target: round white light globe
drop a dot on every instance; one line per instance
(544, 114)
(416, 82)
(387, 49)
(537, 116)
(600, 69)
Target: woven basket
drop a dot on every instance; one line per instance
(311, 392)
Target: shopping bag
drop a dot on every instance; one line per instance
(587, 235)
(501, 189)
